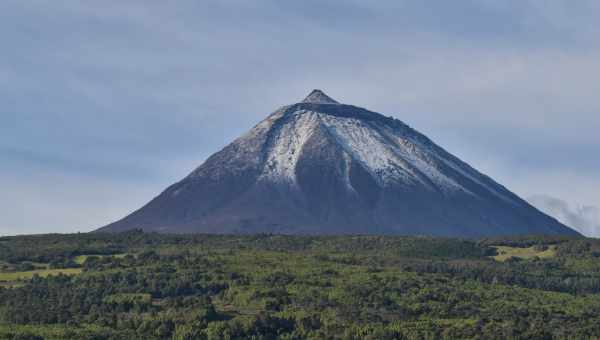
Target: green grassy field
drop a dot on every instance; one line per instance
(505, 252)
(82, 258)
(17, 276)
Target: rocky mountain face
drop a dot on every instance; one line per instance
(321, 167)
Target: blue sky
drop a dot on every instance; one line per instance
(106, 103)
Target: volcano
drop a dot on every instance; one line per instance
(321, 167)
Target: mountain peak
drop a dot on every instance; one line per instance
(320, 167)
(319, 97)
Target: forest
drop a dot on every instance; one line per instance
(138, 285)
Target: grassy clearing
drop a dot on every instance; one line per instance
(13, 278)
(81, 258)
(16, 276)
(504, 252)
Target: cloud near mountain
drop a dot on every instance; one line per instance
(584, 218)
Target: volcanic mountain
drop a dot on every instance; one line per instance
(321, 167)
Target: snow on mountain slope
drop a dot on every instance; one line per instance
(283, 156)
(388, 162)
(386, 155)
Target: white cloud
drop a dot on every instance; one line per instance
(584, 218)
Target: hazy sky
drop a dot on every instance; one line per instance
(105, 103)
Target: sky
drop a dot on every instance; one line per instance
(104, 104)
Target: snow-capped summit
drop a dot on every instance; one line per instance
(317, 168)
(319, 97)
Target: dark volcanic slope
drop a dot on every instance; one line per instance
(321, 167)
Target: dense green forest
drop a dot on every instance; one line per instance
(151, 286)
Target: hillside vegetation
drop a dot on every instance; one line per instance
(148, 286)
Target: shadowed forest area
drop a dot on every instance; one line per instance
(137, 285)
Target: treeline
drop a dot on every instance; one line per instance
(45, 248)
